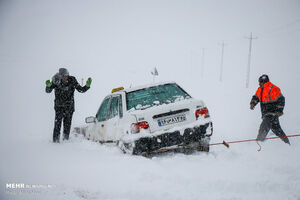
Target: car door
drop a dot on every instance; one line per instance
(114, 114)
(101, 117)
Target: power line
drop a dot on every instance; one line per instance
(286, 26)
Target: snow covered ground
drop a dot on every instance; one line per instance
(81, 169)
(118, 43)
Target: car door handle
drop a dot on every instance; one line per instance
(102, 125)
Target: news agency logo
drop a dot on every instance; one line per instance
(22, 188)
(27, 186)
(15, 185)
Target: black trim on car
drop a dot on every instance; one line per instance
(171, 113)
(190, 135)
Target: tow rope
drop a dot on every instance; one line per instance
(220, 143)
(250, 140)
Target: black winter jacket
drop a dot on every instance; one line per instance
(64, 93)
(270, 108)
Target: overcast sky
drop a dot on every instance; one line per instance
(118, 42)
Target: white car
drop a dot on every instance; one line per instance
(150, 118)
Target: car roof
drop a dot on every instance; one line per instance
(146, 86)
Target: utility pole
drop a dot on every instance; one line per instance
(202, 62)
(191, 62)
(249, 58)
(222, 58)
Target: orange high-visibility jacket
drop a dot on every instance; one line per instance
(270, 93)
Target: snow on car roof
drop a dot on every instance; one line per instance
(147, 86)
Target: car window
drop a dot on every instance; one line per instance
(120, 107)
(102, 112)
(114, 107)
(161, 94)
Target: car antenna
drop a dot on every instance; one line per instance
(154, 72)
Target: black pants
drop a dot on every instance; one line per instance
(64, 115)
(271, 122)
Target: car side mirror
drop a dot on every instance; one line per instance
(90, 120)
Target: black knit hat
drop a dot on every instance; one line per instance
(63, 72)
(263, 79)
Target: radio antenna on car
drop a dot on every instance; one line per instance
(154, 73)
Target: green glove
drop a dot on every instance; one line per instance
(88, 82)
(48, 83)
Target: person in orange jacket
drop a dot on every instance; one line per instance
(272, 103)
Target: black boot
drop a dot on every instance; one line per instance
(55, 138)
(286, 140)
(66, 137)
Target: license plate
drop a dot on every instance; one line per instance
(171, 120)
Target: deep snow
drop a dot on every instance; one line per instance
(118, 43)
(82, 169)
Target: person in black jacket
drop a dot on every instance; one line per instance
(64, 86)
(272, 104)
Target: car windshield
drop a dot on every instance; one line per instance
(157, 95)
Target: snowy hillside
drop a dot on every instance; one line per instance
(118, 43)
